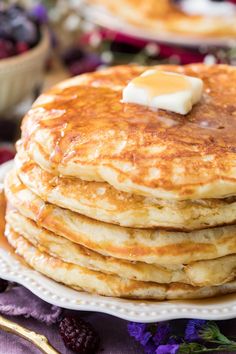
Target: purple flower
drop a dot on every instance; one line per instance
(150, 348)
(162, 333)
(175, 340)
(39, 11)
(167, 349)
(137, 330)
(140, 332)
(145, 338)
(192, 330)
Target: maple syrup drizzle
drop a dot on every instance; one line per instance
(162, 83)
(3, 240)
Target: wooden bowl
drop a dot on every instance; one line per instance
(21, 74)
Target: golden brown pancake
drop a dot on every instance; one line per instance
(2, 210)
(150, 246)
(104, 284)
(81, 128)
(163, 17)
(200, 273)
(100, 201)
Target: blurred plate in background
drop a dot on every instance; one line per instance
(102, 17)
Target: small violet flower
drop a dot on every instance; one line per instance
(150, 348)
(39, 11)
(162, 333)
(167, 349)
(139, 332)
(136, 330)
(193, 329)
(145, 338)
(159, 338)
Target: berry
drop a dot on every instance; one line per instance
(19, 31)
(3, 285)
(6, 49)
(22, 47)
(5, 26)
(6, 155)
(14, 11)
(24, 30)
(79, 335)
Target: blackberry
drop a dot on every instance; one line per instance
(79, 335)
(3, 285)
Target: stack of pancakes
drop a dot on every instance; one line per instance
(166, 17)
(120, 200)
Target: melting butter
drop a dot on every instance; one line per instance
(162, 83)
(164, 90)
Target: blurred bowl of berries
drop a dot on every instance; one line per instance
(24, 45)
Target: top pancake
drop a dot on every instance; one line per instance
(163, 17)
(81, 128)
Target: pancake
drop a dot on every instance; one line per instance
(101, 201)
(110, 285)
(201, 273)
(162, 17)
(150, 246)
(2, 210)
(81, 128)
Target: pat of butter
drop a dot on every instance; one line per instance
(164, 90)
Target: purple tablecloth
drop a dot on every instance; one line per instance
(20, 305)
(42, 318)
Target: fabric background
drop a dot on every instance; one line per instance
(20, 305)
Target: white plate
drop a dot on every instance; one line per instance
(220, 308)
(102, 17)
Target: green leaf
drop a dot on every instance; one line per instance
(188, 348)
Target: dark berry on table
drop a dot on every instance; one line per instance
(3, 285)
(79, 335)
